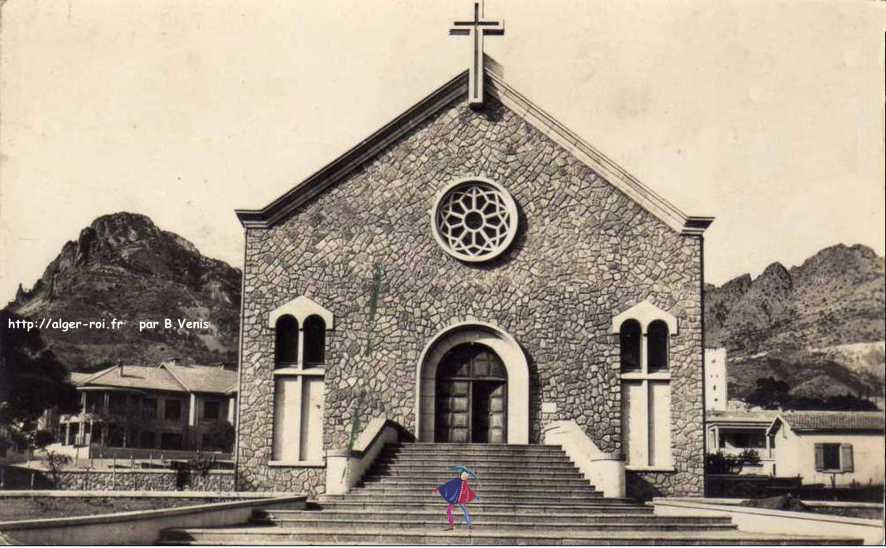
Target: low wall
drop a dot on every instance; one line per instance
(123, 453)
(760, 520)
(346, 466)
(142, 527)
(144, 480)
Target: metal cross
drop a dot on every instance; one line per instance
(477, 28)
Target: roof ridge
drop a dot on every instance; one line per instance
(174, 376)
(99, 374)
(345, 163)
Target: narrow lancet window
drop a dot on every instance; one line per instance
(315, 341)
(286, 342)
(629, 339)
(657, 337)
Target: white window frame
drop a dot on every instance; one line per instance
(301, 308)
(645, 313)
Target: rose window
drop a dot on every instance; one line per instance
(475, 219)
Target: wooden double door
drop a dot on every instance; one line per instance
(471, 396)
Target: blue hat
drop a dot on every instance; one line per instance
(462, 468)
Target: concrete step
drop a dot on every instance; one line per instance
(347, 524)
(406, 451)
(499, 536)
(594, 506)
(496, 498)
(420, 467)
(482, 492)
(442, 476)
(425, 483)
(476, 460)
(421, 445)
(285, 517)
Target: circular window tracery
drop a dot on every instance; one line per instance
(474, 219)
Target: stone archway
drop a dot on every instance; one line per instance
(504, 346)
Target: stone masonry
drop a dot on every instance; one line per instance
(584, 252)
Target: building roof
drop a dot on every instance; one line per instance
(451, 92)
(78, 378)
(833, 421)
(200, 378)
(166, 377)
(738, 417)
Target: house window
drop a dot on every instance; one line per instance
(146, 440)
(315, 341)
(833, 457)
(211, 410)
(149, 408)
(115, 436)
(117, 404)
(95, 402)
(742, 439)
(645, 386)
(173, 410)
(299, 385)
(170, 440)
(286, 342)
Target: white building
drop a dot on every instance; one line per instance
(715, 380)
(830, 447)
(733, 432)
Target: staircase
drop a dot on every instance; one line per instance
(529, 494)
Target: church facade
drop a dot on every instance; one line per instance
(474, 273)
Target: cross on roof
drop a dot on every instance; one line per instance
(477, 28)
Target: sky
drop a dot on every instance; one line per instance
(766, 114)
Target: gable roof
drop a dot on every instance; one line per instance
(740, 418)
(199, 378)
(831, 421)
(450, 92)
(166, 377)
(78, 378)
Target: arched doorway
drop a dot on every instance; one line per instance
(471, 398)
(513, 373)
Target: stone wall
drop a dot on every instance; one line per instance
(144, 480)
(584, 252)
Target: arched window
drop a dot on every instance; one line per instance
(657, 340)
(315, 341)
(299, 385)
(286, 342)
(645, 386)
(629, 339)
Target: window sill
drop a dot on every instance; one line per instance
(640, 376)
(630, 468)
(295, 371)
(297, 463)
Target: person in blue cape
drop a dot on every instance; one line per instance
(457, 492)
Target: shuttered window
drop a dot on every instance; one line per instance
(846, 461)
(833, 457)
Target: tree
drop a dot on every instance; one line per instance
(769, 393)
(220, 437)
(54, 464)
(32, 380)
(774, 394)
(42, 438)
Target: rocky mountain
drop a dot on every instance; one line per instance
(124, 267)
(819, 326)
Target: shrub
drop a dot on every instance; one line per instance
(720, 463)
(42, 438)
(220, 437)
